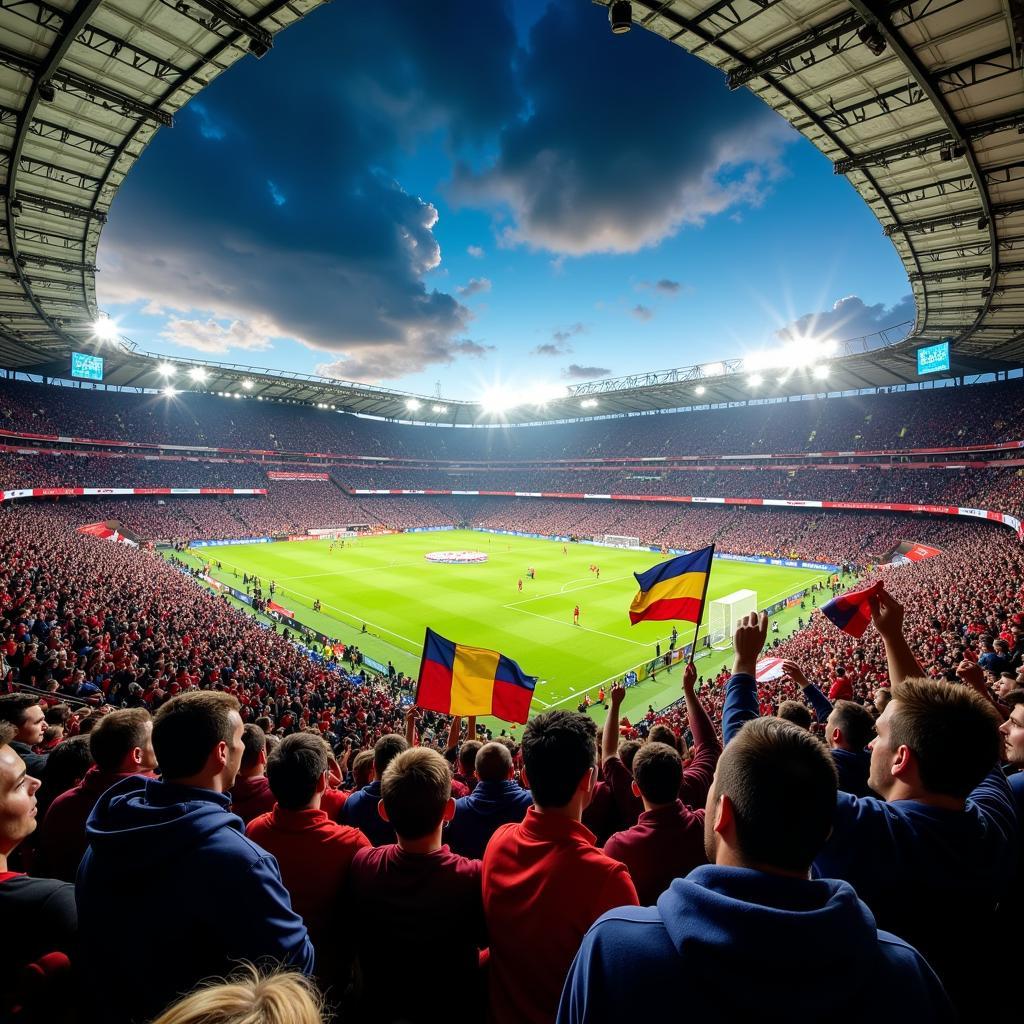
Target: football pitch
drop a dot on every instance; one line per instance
(386, 584)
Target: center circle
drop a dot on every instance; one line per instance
(457, 557)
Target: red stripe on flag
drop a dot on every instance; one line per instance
(685, 608)
(435, 687)
(509, 702)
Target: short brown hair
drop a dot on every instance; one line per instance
(796, 712)
(467, 756)
(295, 768)
(952, 730)
(188, 727)
(254, 743)
(782, 785)
(658, 770)
(662, 733)
(116, 735)
(7, 733)
(856, 723)
(415, 788)
(493, 762)
(362, 766)
(386, 749)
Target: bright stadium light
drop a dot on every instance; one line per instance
(713, 370)
(105, 329)
(170, 391)
(498, 399)
(198, 374)
(439, 408)
(755, 380)
(588, 403)
(700, 389)
(412, 404)
(167, 369)
(820, 372)
(248, 385)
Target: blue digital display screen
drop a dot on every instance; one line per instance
(933, 358)
(86, 367)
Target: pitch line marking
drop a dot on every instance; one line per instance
(549, 618)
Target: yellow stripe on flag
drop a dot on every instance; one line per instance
(473, 680)
(689, 584)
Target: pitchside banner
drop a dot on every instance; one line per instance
(277, 475)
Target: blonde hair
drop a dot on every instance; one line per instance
(249, 998)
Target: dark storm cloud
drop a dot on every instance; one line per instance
(576, 372)
(277, 213)
(621, 146)
(849, 318)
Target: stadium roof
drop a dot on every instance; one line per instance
(920, 103)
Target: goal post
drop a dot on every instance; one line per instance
(725, 612)
(614, 540)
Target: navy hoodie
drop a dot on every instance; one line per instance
(171, 892)
(734, 944)
(479, 815)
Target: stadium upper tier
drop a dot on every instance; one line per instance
(952, 418)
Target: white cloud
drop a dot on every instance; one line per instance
(215, 337)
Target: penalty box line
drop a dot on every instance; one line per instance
(573, 626)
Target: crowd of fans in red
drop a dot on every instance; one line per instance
(285, 808)
(953, 416)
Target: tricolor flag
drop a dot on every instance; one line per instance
(851, 612)
(460, 680)
(674, 589)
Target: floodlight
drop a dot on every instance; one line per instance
(248, 385)
(412, 404)
(700, 389)
(871, 36)
(713, 370)
(104, 328)
(170, 391)
(167, 369)
(496, 400)
(439, 408)
(820, 372)
(620, 17)
(198, 374)
(47, 93)
(588, 403)
(755, 380)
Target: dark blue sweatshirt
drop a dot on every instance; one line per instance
(360, 811)
(486, 809)
(731, 944)
(931, 875)
(171, 892)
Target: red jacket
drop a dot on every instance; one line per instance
(251, 797)
(314, 855)
(665, 844)
(62, 841)
(544, 885)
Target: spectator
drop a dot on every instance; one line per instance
(496, 800)
(668, 840)
(38, 913)
(179, 830)
(849, 728)
(796, 713)
(121, 746)
(248, 998)
(251, 795)
(399, 888)
(22, 710)
(66, 765)
(360, 809)
(726, 934)
(313, 853)
(617, 770)
(544, 881)
(945, 821)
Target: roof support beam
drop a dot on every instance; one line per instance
(46, 204)
(59, 133)
(953, 220)
(221, 14)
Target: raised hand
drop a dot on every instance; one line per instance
(748, 641)
(796, 673)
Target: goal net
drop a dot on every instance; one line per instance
(725, 612)
(614, 540)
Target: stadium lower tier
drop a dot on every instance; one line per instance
(294, 508)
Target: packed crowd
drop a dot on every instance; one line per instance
(291, 813)
(967, 415)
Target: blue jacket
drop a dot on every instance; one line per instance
(931, 875)
(171, 892)
(852, 766)
(486, 809)
(720, 942)
(360, 811)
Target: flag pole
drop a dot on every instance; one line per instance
(703, 599)
(419, 675)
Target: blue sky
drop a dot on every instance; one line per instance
(479, 195)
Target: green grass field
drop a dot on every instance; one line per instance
(386, 583)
